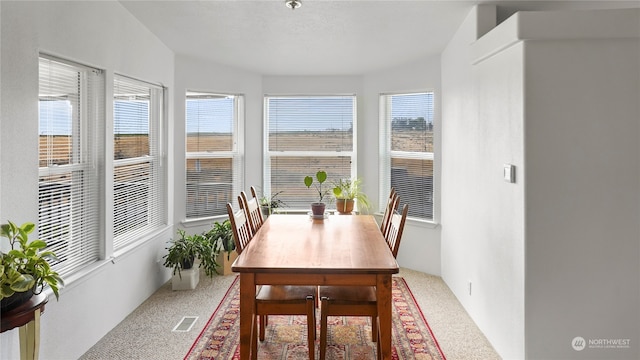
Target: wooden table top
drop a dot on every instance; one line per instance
(24, 313)
(299, 244)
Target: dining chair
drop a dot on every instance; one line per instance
(240, 226)
(358, 300)
(273, 299)
(392, 205)
(252, 210)
(395, 229)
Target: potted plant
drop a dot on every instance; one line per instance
(317, 208)
(25, 269)
(346, 192)
(270, 204)
(181, 257)
(221, 235)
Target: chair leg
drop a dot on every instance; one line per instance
(254, 339)
(311, 326)
(374, 329)
(379, 352)
(263, 323)
(324, 309)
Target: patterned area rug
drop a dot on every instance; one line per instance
(349, 338)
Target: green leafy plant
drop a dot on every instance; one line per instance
(221, 235)
(321, 177)
(348, 189)
(183, 252)
(26, 266)
(271, 202)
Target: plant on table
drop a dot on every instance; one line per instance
(346, 192)
(321, 176)
(25, 269)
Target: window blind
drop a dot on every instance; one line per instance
(407, 160)
(305, 134)
(138, 180)
(214, 159)
(71, 111)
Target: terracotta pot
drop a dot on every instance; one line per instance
(344, 206)
(318, 208)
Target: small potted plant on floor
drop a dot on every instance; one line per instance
(182, 255)
(347, 192)
(221, 235)
(317, 208)
(25, 269)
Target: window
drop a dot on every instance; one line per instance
(214, 157)
(138, 186)
(407, 143)
(71, 113)
(305, 134)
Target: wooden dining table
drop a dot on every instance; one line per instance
(344, 250)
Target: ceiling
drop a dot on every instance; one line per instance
(323, 37)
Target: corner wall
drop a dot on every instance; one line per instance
(583, 184)
(482, 215)
(104, 35)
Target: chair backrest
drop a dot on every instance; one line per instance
(392, 205)
(396, 226)
(240, 226)
(252, 210)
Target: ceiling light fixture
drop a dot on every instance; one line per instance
(293, 4)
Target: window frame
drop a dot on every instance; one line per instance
(84, 244)
(130, 238)
(236, 154)
(387, 154)
(268, 154)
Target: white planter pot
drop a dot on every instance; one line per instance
(187, 280)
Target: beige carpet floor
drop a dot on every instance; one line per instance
(147, 332)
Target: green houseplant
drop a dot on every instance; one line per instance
(183, 252)
(347, 192)
(25, 268)
(317, 208)
(270, 204)
(221, 235)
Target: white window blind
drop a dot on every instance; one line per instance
(214, 156)
(305, 134)
(71, 112)
(407, 160)
(138, 179)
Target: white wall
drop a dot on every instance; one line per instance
(555, 255)
(583, 175)
(104, 35)
(482, 216)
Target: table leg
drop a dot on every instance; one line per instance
(30, 338)
(247, 309)
(383, 292)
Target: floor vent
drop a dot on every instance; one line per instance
(185, 324)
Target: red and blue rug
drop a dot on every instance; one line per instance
(349, 338)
